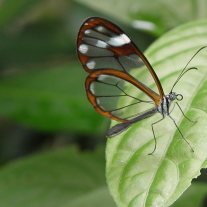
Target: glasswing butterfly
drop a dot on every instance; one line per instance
(113, 61)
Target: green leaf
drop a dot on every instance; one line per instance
(163, 14)
(49, 99)
(138, 179)
(61, 178)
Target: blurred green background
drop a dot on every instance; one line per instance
(43, 107)
(43, 102)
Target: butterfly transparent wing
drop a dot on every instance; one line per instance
(114, 94)
(103, 45)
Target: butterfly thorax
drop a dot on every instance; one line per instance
(164, 106)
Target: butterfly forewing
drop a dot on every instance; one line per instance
(103, 47)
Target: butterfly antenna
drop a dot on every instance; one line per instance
(184, 71)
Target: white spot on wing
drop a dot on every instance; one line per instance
(125, 38)
(108, 36)
(105, 62)
(91, 64)
(102, 77)
(105, 31)
(101, 44)
(83, 48)
(95, 42)
(119, 41)
(101, 29)
(93, 51)
(108, 79)
(87, 31)
(92, 89)
(98, 101)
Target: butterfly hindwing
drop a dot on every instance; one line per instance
(113, 93)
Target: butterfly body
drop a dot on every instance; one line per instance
(164, 106)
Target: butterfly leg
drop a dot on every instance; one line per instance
(183, 113)
(154, 135)
(181, 133)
